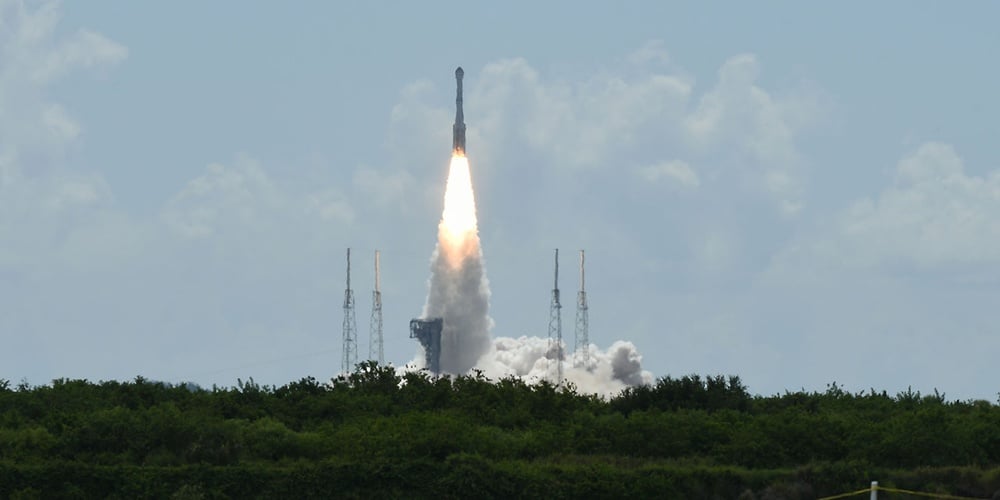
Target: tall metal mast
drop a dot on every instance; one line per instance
(350, 357)
(582, 336)
(555, 326)
(375, 339)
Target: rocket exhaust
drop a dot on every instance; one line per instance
(458, 129)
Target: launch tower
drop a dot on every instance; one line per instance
(555, 327)
(350, 354)
(582, 336)
(376, 342)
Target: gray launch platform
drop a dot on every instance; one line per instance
(428, 332)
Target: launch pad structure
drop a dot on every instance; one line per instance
(555, 328)
(428, 333)
(582, 333)
(376, 340)
(350, 335)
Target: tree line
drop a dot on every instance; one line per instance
(379, 433)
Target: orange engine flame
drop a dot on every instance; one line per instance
(458, 233)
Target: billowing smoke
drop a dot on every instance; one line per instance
(459, 294)
(600, 372)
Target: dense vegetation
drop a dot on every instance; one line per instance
(375, 433)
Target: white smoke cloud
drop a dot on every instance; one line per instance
(462, 297)
(605, 373)
(602, 372)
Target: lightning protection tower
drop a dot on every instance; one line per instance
(375, 339)
(350, 357)
(582, 336)
(555, 327)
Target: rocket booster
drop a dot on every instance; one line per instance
(458, 129)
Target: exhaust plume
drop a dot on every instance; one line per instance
(459, 291)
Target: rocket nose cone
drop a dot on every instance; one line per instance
(459, 73)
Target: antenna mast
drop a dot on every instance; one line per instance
(555, 326)
(350, 357)
(582, 321)
(375, 339)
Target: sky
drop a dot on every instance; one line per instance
(794, 193)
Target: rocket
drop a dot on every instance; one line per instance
(458, 129)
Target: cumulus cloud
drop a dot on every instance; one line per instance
(85, 49)
(42, 204)
(417, 128)
(934, 217)
(35, 129)
(243, 195)
(738, 112)
(653, 51)
(935, 214)
(579, 122)
(675, 171)
(385, 188)
(221, 196)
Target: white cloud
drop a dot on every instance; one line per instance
(935, 217)
(85, 49)
(578, 123)
(676, 171)
(329, 205)
(652, 52)
(761, 127)
(417, 128)
(70, 193)
(44, 208)
(35, 131)
(715, 251)
(59, 125)
(31, 50)
(243, 196)
(385, 188)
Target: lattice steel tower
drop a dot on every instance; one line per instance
(350, 357)
(582, 337)
(555, 326)
(375, 339)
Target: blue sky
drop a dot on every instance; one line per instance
(794, 193)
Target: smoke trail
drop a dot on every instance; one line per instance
(459, 291)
